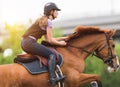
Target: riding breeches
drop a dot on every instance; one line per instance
(31, 46)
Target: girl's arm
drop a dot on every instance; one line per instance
(50, 39)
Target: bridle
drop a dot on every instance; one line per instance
(110, 54)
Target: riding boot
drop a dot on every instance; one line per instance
(51, 68)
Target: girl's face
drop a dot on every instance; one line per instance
(55, 13)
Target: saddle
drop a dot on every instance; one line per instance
(37, 64)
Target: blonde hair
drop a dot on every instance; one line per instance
(42, 21)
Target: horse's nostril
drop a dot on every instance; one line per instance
(117, 66)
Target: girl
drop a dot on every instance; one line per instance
(43, 27)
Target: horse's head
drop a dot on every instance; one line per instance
(106, 51)
(92, 40)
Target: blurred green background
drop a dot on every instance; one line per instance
(93, 64)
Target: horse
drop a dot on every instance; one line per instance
(85, 40)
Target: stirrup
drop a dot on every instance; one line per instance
(59, 74)
(59, 79)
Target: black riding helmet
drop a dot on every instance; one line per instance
(50, 6)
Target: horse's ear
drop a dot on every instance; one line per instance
(111, 32)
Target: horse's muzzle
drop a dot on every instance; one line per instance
(113, 69)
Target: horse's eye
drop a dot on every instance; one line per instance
(113, 46)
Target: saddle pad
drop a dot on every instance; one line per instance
(35, 68)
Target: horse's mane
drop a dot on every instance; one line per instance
(88, 30)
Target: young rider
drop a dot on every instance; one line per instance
(43, 27)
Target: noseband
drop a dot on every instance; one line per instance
(110, 55)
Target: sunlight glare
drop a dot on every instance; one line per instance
(10, 19)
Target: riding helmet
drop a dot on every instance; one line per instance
(50, 6)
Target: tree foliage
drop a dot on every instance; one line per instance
(15, 35)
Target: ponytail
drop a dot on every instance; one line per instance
(42, 22)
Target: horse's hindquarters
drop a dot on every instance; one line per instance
(15, 75)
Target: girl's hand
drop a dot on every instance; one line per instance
(63, 43)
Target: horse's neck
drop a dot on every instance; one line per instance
(88, 43)
(93, 42)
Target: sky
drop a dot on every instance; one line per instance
(12, 11)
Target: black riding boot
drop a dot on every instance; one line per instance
(52, 67)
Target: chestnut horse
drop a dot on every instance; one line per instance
(84, 41)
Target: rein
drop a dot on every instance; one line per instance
(93, 54)
(110, 55)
